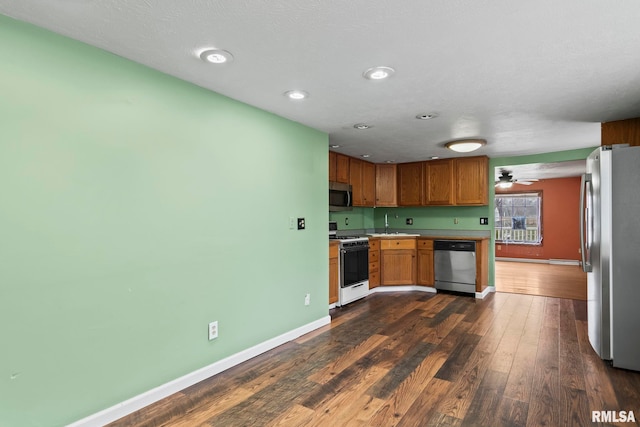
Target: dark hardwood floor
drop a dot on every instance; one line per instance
(415, 359)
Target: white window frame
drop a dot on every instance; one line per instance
(519, 230)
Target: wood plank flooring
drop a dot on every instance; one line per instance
(551, 280)
(415, 359)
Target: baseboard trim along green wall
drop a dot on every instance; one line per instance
(138, 402)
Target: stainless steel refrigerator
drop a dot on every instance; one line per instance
(610, 247)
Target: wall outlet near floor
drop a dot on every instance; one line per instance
(455, 220)
(307, 299)
(213, 330)
(409, 221)
(484, 221)
(301, 224)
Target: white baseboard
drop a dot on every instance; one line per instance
(145, 399)
(541, 261)
(485, 292)
(402, 289)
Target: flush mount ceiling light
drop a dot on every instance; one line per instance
(465, 145)
(426, 116)
(296, 95)
(216, 56)
(366, 156)
(362, 126)
(378, 73)
(334, 146)
(389, 161)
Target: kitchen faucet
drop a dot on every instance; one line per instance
(386, 224)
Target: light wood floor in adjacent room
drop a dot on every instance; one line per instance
(416, 359)
(551, 280)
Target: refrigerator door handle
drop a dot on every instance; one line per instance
(586, 216)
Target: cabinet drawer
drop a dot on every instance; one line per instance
(425, 244)
(374, 244)
(398, 244)
(333, 251)
(373, 267)
(374, 279)
(374, 256)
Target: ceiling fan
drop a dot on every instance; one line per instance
(506, 180)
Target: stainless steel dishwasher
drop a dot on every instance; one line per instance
(455, 265)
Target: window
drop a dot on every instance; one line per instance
(518, 218)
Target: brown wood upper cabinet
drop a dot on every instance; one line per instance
(342, 168)
(621, 132)
(410, 183)
(362, 177)
(471, 178)
(332, 166)
(439, 182)
(444, 182)
(386, 185)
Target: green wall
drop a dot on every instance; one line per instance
(136, 208)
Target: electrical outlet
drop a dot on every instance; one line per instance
(292, 223)
(455, 220)
(213, 330)
(301, 224)
(484, 221)
(307, 299)
(409, 221)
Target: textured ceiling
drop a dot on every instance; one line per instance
(529, 77)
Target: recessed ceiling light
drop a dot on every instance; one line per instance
(434, 157)
(426, 116)
(362, 126)
(378, 73)
(334, 146)
(366, 155)
(465, 145)
(296, 95)
(216, 56)
(389, 161)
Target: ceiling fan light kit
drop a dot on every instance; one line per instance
(465, 145)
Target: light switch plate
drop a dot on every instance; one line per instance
(301, 224)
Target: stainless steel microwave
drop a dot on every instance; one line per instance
(339, 197)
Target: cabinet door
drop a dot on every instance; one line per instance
(332, 166)
(342, 168)
(410, 184)
(621, 132)
(425, 267)
(439, 188)
(355, 179)
(472, 181)
(333, 280)
(368, 184)
(398, 267)
(386, 185)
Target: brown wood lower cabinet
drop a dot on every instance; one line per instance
(374, 263)
(333, 272)
(398, 261)
(425, 262)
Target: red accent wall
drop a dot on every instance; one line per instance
(560, 230)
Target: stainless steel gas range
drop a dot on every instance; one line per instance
(353, 267)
